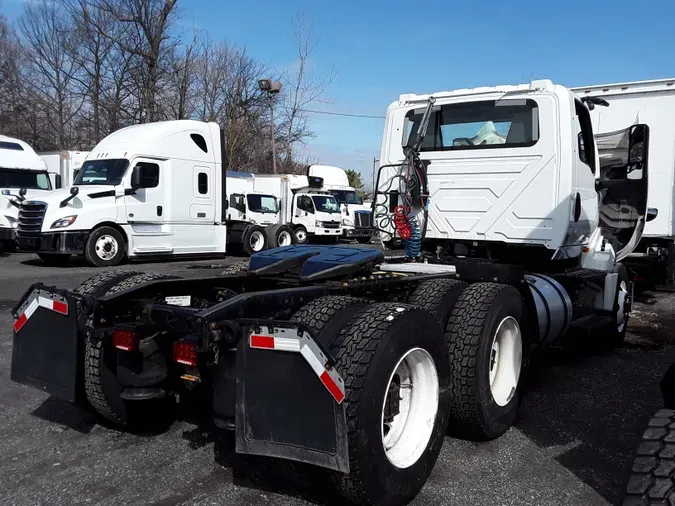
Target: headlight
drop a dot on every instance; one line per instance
(64, 222)
(348, 222)
(13, 222)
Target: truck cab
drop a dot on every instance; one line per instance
(316, 213)
(356, 217)
(517, 166)
(152, 189)
(23, 175)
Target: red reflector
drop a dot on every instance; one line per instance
(20, 322)
(60, 307)
(125, 340)
(185, 353)
(332, 386)
(258, 341)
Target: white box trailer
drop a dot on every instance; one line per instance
(63, 166)
(651, 103)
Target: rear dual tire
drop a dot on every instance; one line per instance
(383, 350)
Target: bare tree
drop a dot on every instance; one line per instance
(12, 105)
(183, 80)
(53, 69)
(303, 88)
(147, 36)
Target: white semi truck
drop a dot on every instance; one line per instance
(359, 363)
(23, 174)
(651, 103)
(63, 166)
(357, 220)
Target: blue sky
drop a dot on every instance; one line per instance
(385, 48)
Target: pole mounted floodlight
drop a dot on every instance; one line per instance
(271, 87)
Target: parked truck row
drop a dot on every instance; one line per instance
(343, 358)
(159, 190)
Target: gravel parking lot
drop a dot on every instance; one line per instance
(581, 417)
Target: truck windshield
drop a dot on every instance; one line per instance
(29, 179)
(326, 204)
(262, 203)
(103, 172)
(346, 196)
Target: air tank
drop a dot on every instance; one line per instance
(553, 305)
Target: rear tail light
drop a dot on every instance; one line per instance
(126, 340)
(185, 352)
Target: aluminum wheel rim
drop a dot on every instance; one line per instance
(257, 241)
(284, 238)
(406, 436)
(106, 247)
(301, 235)
(621, 299)
(506, 357)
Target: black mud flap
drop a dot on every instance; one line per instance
(45, 350)
(286, 405)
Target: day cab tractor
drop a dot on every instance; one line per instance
(359, 362)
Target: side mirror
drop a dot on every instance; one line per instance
(652, 213)
(638, 147)
(226, 204)
(23, 192)
(137, 178)
(74, 190)
(57, 181)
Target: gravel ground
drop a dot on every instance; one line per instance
(580, 421)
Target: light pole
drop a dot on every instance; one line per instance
(271, 87)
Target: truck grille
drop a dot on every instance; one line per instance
(331, 224)
(363, 219)
(31, 216)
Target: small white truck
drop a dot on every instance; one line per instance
(23, 174)
(63, 166)
(357, 220)
(651, 103)
(313, 212)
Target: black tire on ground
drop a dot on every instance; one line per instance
(236, 267)
(363, 240)
(470, 333)
(301, 235)
(652, 479)
(438, 297)
(327, 316)
(371, 347)
(54, 259)
(280, 235)
(255, 240)
(613, 335)
(102, 390)
(105, 247)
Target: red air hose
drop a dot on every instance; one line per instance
(401, 223)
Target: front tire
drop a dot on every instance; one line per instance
(486, 348)
(615, 332)
(301, 234)
(396, 371)
(280, 235)
(54, 259)
(105, 247)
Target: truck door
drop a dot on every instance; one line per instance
(304, 213)
(145, 202)
(622, 186)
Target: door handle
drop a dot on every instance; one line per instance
(201, 215)
(159, 210)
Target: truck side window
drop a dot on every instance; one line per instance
(585, 136)
(237, 202)
(203, 183)
(305, 204)
(150, 174)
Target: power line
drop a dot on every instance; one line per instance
(312, 111)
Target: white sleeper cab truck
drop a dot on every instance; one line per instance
(63, 166)
(514, 234)
(153, 189)
(253, 217)
(651, 103)
(356, 216)
(313, 212)
(23, 175)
